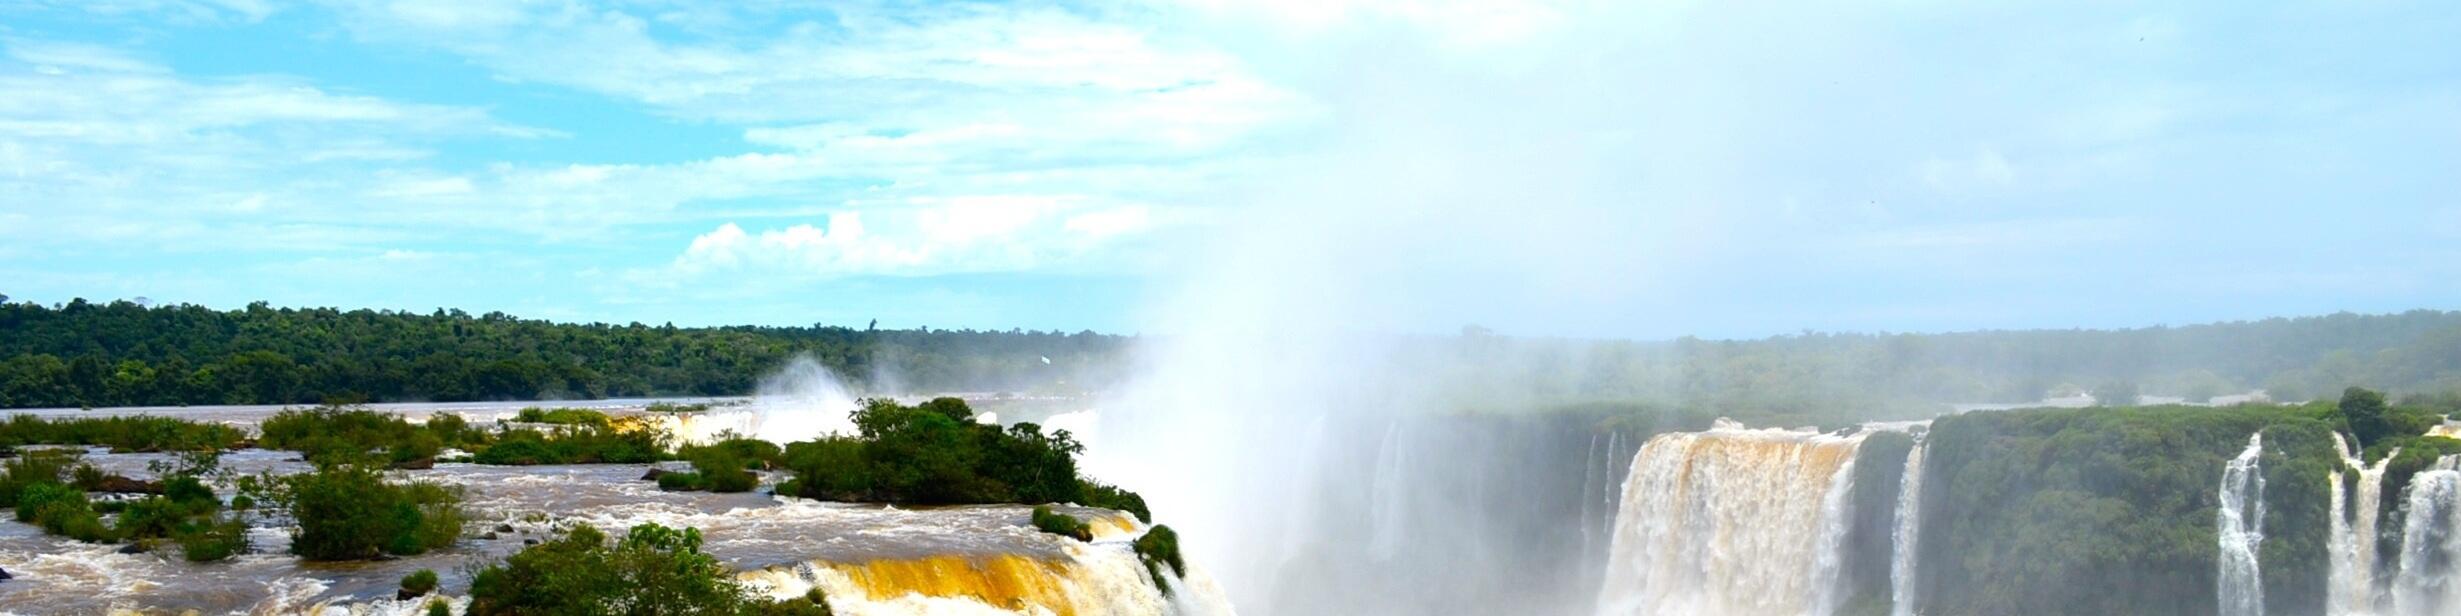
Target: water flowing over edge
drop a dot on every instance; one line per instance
(2240, 518)
(1696, 503)
(1904, 537)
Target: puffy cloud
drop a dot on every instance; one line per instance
(1008, 233)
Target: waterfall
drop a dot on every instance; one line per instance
(1731, 521)
(1608, 494)
(1589, 481)
(1388, 502)
(2241, 519)
(1902, 540)
(2430, 543)
(2352, 535)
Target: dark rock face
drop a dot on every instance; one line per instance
(122, 485)
(416, 465)
(405, 595)
(654, 473)
(4, 574)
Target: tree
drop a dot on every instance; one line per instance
(653, 570)
(2363, 411)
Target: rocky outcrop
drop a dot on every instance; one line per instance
(122, 485)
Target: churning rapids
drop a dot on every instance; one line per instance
(1732, 520)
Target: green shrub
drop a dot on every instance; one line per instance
(34, 467)
(813, 603)
(934, 453)
(454, 430)
(438, 608)
(64, 511)
(830, 468)
(574, 445)
(681, 482)
(1160, 547)
(754, 453)
(32, 500)
(213, 539)
(1061, 524)
(1113, 498)
(349, 512)
(722, 472)
(562, 417)
(87, 477)
(652, 570)
(521, 448)
(419, 582)
(137, 433)
(334, 434)
(189, 489)
(671, 407)
(162, 516)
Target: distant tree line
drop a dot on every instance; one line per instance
(1835, 378)
(120, 353)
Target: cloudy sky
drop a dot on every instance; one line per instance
(1595, 169)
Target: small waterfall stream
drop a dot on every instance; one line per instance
(2352, 535)
(2431, 543)
(1903, 538)
(2241, 520)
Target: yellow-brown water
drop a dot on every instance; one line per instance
(1012, 582)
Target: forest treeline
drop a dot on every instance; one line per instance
(121, 353)
(1836, 378)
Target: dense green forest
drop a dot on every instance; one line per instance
(121, 353)
(2112, 510)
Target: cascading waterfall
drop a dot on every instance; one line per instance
(2352, 534)
(1731, 521)
(2241, 519)
(1388, 504)
(2431, 543)
(1902, 539)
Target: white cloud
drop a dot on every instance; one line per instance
(100, 146)
(173, 10)
(979, 234)
(939, 111)
(1466, 23)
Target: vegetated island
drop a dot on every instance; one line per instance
(362, 496)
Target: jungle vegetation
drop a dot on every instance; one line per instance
(124, 354)
(2112, 510)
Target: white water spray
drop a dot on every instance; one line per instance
(2241, 519)
(802, 401)
(1903, 540)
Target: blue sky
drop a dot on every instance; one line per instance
(1583, 168)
